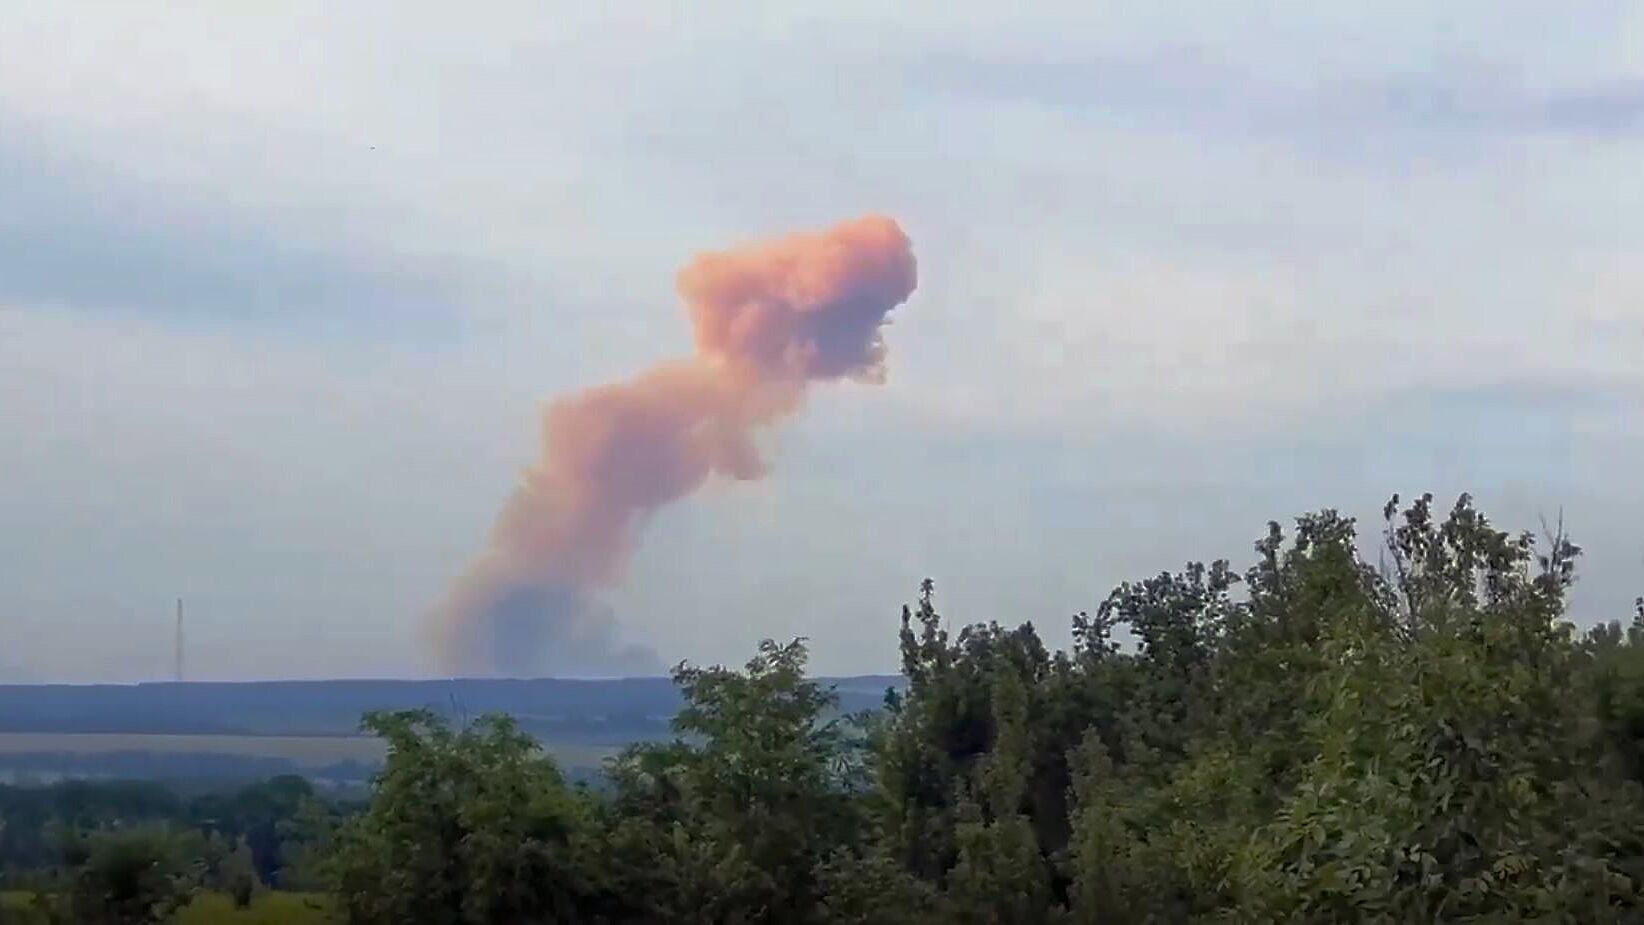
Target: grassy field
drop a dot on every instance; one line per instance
(266, 909)
(306, 750)
(314, 751)
(16, 907)
(210, 909)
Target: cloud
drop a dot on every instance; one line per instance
(1200, 90)
(78, 236)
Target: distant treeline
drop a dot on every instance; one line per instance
(172, 766)
(593, 712)
(39, 823)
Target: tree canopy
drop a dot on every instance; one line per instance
(1419, 734)
(1316, 738)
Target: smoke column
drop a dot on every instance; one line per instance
(769, 320)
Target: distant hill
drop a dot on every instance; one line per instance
(605, 711)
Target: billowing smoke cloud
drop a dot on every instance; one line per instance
(769, 320)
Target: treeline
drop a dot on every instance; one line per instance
(1314, 739)
(617, 710)
(132, 851)
(186, 769)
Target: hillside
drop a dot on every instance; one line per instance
(604, 711)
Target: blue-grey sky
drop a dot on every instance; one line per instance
(282, 287)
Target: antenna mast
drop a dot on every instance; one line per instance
(178, 655)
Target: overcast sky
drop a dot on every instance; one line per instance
(283, 285)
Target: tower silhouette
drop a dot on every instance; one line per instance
(177, 656)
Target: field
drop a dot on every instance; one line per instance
(15, 906)
(267, 909)
(209, 909)
(304, 751)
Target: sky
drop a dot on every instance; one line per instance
(283, 288)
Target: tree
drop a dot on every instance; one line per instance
(469, 825)
(237, 875)
(999, 876)
(130, 876)
(261, 814)
(733, 820)
(1452, 771)
(873, 889)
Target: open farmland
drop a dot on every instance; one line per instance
(301, 750)
(205, 731)
(55, 754)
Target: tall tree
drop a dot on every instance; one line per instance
(466, 825)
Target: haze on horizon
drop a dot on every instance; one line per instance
(282, 293)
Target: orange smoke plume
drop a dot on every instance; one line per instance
(769, 319)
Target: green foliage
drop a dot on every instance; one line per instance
(265, 816)
(1421, 741)
(128, 876)
(30, 815)
(734, 820)
(469, 825)
(876, 890)
(17, 906)
(999, 876)
(272, 908)
(237, 876)
(276, 819)
(1452, 762)
(1315, 739)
